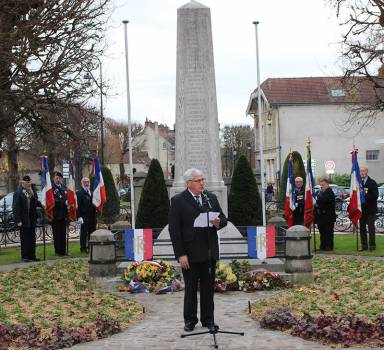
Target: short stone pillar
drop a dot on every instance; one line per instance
(102, 254)
(118, 228)
(280, 228)
(298, 258)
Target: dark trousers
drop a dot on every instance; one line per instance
(59, 229)
(84, 236)
(28, 242)
(205, 273)
(326, 235)
(370, 221)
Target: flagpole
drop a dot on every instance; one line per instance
(129, 128)
(261, 130)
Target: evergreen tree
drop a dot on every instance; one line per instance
(298, 170)
(244, 203)
(154, 201)
(111, 208)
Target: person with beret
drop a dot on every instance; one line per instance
(25, 202)
(60, 214)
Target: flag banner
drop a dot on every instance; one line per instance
(47, 199)
(309, 200)
(261, 242)
(72, 199)
(357, 195)
(290, 205)
(99, 194)
(138, 244)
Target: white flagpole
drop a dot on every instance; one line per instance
(261, 128)
(129, 128)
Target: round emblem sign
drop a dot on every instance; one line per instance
(329, 165)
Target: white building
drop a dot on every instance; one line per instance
(296, 109)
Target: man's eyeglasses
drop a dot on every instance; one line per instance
(198, 180)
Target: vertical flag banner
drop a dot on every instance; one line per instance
(309, 200)
(47, 199)
(290, 205)
(99, 194)
(357, 195)
(138, 244)
(72, 200)
(261, 242)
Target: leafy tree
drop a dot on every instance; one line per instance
(111, 208)
(244, 205)
(298, 170)
(341, 179)
(154, 201)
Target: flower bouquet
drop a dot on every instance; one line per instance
(225, 278)
(261, 279)
(157, 276)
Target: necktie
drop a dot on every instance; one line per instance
(197, 198)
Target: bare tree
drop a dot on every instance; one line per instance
(362, 55)
(46, 47)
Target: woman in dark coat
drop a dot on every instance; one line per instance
(325, 214)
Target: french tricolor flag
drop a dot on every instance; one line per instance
(72, 199)
(99, 196)
(138, 244)
(357, 192)
(261, 242)
(47, 199)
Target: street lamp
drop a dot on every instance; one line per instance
(250, 153)
(89, 76)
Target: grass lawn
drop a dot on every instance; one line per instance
(342, 285)
(10, 255)
(46, 297)
(346, 244)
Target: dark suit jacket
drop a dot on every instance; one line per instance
(325, 207)
(370, 205)
(85, 209)
(195, 242)
(21, 212)
(60, 211)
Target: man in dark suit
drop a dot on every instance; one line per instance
(298, 213)
(86, 213)
(196, 248)
(325, 214)
(369, 209)
(24, 206)
(60, 214)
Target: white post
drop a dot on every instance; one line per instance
(261, 126)
(129, 128)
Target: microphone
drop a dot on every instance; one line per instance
(205, 197)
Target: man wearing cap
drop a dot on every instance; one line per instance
(24, 205)
(60, 214)
(86, 213)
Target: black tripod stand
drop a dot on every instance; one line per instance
(213, 329)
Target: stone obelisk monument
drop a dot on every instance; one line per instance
(197, 129)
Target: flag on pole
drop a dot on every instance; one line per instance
(138, 244)
(72, 200)
(47, 199)
(261, 242)
(290, 205)
(99, 194)
(357, 191)
(309, 200)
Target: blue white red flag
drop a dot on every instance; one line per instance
(72, 199)
(357, 191)
(99, 194)
(261, 242)
(310, 200)
(47, 199)
(290, 205)
(138, 244)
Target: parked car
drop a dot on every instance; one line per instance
(341, 194)
(381, 192)
(125, 194)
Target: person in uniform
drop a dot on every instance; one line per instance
(25, 202)
(196, 248)
(60, 214)
(298, 213)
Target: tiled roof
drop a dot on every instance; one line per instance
(320, 90)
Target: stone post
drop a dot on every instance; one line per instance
(298, 258)
(118, 228)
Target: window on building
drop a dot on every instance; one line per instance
(337, 93)
(164, 145)
(372, 154)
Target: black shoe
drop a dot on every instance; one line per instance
(210, 325)
(363, 249)
(189, 327)
(371, 249)
(35, 259)
(27, 260)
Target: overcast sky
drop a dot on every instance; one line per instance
(297, 38)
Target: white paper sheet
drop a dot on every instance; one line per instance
(201, 220)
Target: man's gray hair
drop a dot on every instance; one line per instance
(299, 178)
(191, 173)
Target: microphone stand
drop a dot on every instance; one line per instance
(213, 329)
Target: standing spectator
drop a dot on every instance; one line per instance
(60, 214)
(86, 213)
(270, 192)
(369, 209)
(325, 214)
(24, 205)
(298, 213)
